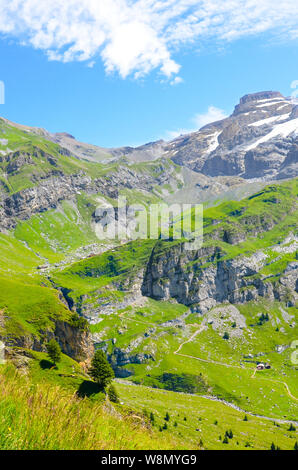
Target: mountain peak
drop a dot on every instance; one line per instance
(261, 95)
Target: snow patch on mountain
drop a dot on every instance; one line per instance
(270, 119)
(283, 130)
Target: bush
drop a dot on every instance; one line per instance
(112, 394)
(263, 318)
(79, 322)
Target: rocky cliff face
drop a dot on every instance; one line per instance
(48, 191)
(74, 342)
(201, 287)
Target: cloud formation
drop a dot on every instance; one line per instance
(199, 120)
(133, 37)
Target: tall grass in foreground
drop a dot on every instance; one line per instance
(46, 417)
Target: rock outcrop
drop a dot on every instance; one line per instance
(211, 281)
(75, 342)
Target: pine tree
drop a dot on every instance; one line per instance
(292, 427)
(245, 418)
(152, 418)
(100, 369)
(296, 446)
(273, 446)
(167, 416)
(54, 351)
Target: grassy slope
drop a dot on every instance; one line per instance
(196, 420)
(39, 416)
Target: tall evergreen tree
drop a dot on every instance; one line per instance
(54, 351)
(100, 369)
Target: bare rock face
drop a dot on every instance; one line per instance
(73, 341)
(49, 191)
(235, 281)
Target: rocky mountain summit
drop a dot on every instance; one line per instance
(259, 140)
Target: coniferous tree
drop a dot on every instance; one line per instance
(54, 351)
(100, 369)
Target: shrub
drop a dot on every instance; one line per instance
(112, 394)
(79, 322)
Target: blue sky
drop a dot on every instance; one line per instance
(144, 73)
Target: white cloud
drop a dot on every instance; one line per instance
(213, 114)
(199, 120)
(176, 81)
(133, 37)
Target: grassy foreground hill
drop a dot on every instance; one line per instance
(42, 416)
